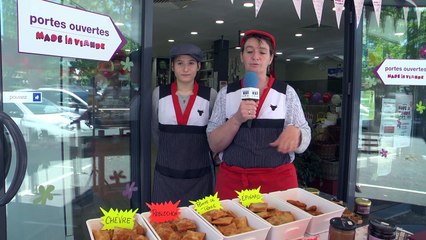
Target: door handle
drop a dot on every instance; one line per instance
(21, 159)
(6, 149)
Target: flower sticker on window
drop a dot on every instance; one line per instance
(384, 153)
(130, 188)
(420, 107)
(117, 176)
(127, 65)
(45, 193)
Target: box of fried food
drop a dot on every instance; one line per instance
(140, 230)
(286, 220)
(321, 209)
(234, 222)
(188, 226)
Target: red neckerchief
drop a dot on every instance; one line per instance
(182, 119)
(264, 94)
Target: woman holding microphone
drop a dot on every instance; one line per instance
(256, 140)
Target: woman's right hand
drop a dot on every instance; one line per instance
(246, 111)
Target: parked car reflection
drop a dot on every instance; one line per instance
(44, 120)
(99, 111)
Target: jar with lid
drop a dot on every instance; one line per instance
(362, 206)
(341, 229)
(380, 230)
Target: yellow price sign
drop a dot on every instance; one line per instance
(250, 196)
(206, 204)
(118, 218)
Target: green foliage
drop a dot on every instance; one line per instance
(307, 167)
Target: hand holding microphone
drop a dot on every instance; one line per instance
(250, 91)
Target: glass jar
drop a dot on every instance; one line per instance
(379, 230)
(362, 206)
(341, 229)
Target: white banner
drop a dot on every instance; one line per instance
(48, 28)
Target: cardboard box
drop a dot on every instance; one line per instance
(317, 224)
(291, 230)
(185, 212)
(93, 224)
(261, 227)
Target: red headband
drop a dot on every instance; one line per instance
(250, 33)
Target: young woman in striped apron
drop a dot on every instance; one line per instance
(184, 169)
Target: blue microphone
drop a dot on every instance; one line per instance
(250, 89)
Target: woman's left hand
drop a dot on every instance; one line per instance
(288, 141)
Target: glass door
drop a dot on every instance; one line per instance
(391, 156)
(79, 121)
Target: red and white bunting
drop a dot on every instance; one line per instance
(359, 4)
(298, 6)
(318, 5)
(377, 4)
(339, 5)
(257, 6)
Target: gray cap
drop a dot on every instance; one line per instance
(186, 49)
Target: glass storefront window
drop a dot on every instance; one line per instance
(79, 136)
(392, 145)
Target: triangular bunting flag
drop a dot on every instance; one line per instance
(359, 4)
(412, 2)
(405, 11)
(377, 4)
(339, 5)
(232, 1)
(258, 5)
(419, 16)
(298, 6)
(318, 5)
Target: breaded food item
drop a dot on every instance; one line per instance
(223, 221)
(137, 233)
(272, 215)
(191, 235)
(228, 230)
(258, 207)
(284, 217)
(167, 233)
(185, 224)
(229, 223)
(122, 234)
(245, 229)
(313, 210)
(241, 222)
(265, 214)
(101, 234)
(140, 237)
(297, 203)
(138, 229)
(215, 214)
(178, 229)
